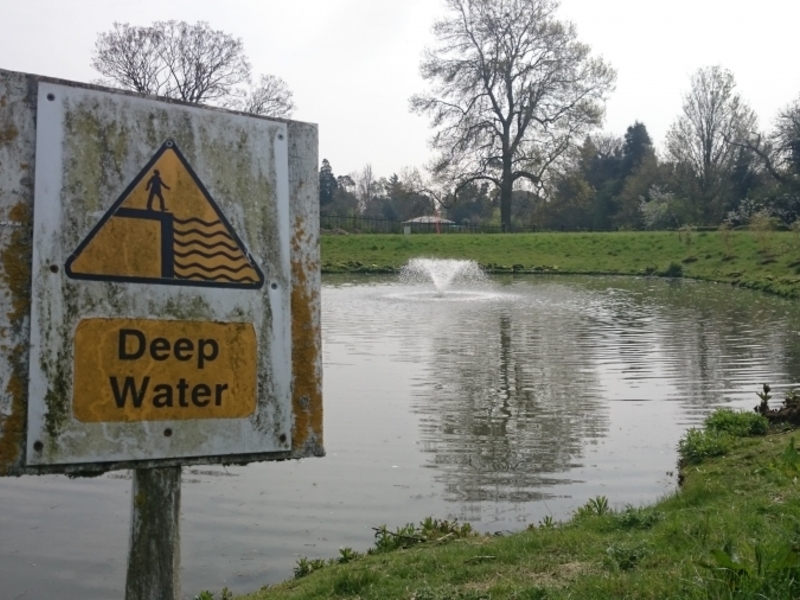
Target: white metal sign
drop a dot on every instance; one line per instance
(161, 282)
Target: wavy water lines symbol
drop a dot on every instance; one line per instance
(206, 251)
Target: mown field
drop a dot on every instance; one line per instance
(764, 260)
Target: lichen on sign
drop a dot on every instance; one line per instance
(105, 138)
(17, 147)
(306, 344)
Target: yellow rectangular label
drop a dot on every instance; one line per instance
(149, 370)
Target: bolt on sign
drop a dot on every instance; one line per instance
(159, 266)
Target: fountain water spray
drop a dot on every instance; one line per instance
(443, 273)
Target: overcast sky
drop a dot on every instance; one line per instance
(353, 64)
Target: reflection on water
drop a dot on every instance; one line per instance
(502, 421)
(497, 403)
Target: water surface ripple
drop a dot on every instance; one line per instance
(496, 403)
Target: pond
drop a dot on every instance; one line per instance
(497, 404)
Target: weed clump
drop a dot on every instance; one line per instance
(637, 518)
(700, 444)
(674, 269)
(789, 413)
(737, 424)
(225, 594)
(429, 530)
(774, 573)
(626, 556)
(595, 507)
(716, 436)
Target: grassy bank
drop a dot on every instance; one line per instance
(731, 531)
(763, 260)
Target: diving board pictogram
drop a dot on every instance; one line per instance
(165, 228)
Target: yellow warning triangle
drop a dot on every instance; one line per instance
(165, 228)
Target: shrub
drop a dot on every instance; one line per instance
(763, 224)
(725, 236)
(626, 556)
(673, 270)
(737, 424)
(638, 518)
(699, 444)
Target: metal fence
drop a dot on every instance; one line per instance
(355, 224)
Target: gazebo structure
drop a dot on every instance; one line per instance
(428, 223)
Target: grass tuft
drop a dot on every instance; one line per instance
(699, 444)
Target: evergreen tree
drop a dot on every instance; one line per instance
(327, 183)
(637, 147)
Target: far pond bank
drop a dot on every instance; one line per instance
(761, 260)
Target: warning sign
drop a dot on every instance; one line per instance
(165, 258)
(151, 370)
(165, 228)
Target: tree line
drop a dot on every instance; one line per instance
(716, 168)
(515, 102)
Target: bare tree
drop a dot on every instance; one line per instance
(512, 88)
(434, 185)
(715, 120)
(365, 186)
(271, 98)
(786, 138)
(607, 145)
(130, 57)
(779, 150)
(193, 63)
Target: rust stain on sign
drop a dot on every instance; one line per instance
(13, 430)
(307, 384)
(8, 134)
(152, 370)
(16, 275)
(16, 262)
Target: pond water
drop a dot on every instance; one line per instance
(497, 404)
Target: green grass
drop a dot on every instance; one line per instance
(717, 435)
(768, 261)
(732, 531)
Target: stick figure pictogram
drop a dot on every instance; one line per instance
(155, 184)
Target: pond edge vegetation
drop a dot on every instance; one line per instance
(731, 530)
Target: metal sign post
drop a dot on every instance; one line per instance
(159, 295)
